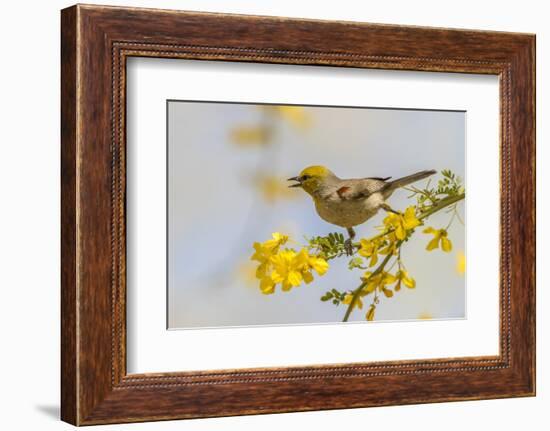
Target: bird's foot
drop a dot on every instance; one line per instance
(348, 247)
(389, 209)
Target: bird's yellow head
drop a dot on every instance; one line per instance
(312, 178)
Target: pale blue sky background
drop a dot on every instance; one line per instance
(217, 212)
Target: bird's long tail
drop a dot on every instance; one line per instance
(409, 179)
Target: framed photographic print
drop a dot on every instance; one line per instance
(317, 215)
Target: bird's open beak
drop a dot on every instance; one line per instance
(298, 184)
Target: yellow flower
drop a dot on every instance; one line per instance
(371, 283)
(369, 248)
(277, 240)
(402, 223)
(286, 270)
(262, 255)
(440, 236)
(403, 277)
(380, 280)
(461, 262)
(387, 292)
(267, 285)
(291, 268)
(387, 278)
(263, 252)
(391, 246)
(358, 301)
(318, 264)
(305, 262)
(425, 316)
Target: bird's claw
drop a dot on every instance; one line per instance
(348, 247)
(389, 209)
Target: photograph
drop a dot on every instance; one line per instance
(284, 214)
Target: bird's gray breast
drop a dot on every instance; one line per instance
(347, 213)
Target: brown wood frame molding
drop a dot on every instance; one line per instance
(95, 43)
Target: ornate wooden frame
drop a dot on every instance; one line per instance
(95, 43)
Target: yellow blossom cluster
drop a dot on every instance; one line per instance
(284, 266)
(381, 282)
(383, 279)
(370, 248)
(272, 188)
(402, 224)
(263, 133)
(396, 228)
(248, 136)
(378, 281)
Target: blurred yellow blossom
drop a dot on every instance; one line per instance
(273, 188)
(440, 236)
(402, 223)
(246, 271)
(247, 136)
(461, 262)
(425, 316)
(296, 115)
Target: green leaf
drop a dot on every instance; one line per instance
(327, 296)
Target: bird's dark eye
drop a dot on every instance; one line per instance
(305, 177)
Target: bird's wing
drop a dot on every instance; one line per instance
(360, 188)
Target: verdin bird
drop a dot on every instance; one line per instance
(348, 203)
